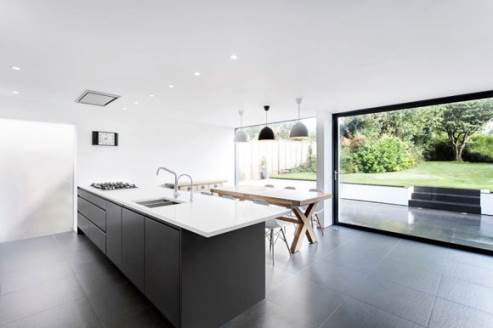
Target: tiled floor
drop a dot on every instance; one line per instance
(349, 279)
(458, 228)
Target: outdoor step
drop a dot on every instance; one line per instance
(445, 206)
(451, 198)
(453, 191)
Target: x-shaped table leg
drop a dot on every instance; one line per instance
(303, 227)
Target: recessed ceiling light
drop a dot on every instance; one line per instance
(233, 57)
(15, 68)
(196, 73)
(124, 108)
(136, 102)
(171, 86)
(15, 92)
(152, 95)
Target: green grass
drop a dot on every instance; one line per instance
(312, 176)
(432, 174)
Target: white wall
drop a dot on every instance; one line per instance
(36, 180)
(486, 203)
(324, 163)
(373, 193)
(147, 139)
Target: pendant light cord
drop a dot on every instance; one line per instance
(266, 108)
(298, 101)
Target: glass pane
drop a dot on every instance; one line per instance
(282, 162)
(425, 171)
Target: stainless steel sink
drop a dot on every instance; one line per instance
(157, 203)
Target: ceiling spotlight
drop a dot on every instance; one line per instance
(171, 86)
(196, 73)
(136, 102)
(15, 92)
(151, 95)
(124, 108)
(233, 57)
(15, 68)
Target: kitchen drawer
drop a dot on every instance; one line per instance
(96, 235)
(92, 198)
(92, 212)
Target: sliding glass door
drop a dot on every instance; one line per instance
(422, 169)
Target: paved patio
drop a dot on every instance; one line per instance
(465, 229)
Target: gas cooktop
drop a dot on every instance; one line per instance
(113, 185)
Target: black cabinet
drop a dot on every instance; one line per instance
(195, 282)
(133, 247)
(162, 268)
(114, 233)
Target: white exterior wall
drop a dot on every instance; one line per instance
(486, 203)
(373, 193)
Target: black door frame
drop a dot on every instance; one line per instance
(387, 108)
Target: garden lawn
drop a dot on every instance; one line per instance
(432, 174)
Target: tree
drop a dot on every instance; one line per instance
(460, 121)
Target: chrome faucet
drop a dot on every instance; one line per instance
(174, 174)
(177, 178)
(191, 183)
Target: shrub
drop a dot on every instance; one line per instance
(439, 150)
(479, 149)
(386, 154)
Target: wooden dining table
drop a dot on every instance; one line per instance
(302, 203)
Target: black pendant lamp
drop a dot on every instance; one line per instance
(240, 135)
(299, 130)
(266, 133)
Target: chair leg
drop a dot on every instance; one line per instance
(283, 233)
(319, 224)
(272, 245)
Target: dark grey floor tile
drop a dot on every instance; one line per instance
(358, 258)
(12, 281)
(409, 274)
(117, 302)
(452, 315)
(470, 273)
(342, 279)
(146, 318)
(479, 260)
(466, 293)
(275, 276)
(355, 314)
(77, 314)
(310, 303)
(265, 314)
(95, 276)
(30, 301)
(401, 301)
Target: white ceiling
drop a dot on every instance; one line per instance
(338, 55)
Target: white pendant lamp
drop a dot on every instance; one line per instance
(299, 131)
(240, 135)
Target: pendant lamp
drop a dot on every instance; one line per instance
(266, 133)
(240, 135)
(299, 130)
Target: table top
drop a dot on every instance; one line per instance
(283, 197)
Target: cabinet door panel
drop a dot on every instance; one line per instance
(114, 233)
(162, 253)
(133, 247)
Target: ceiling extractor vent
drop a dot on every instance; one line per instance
(96, 98)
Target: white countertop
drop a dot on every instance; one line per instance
(206, 215)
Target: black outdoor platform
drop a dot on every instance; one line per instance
(448, 199)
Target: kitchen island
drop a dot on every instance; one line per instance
(200, 262)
